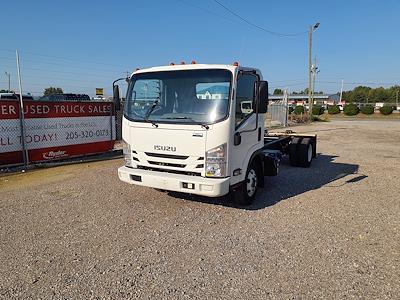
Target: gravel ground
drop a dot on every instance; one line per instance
(331, 231)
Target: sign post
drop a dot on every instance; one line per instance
(21, 114)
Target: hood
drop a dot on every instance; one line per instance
(188, 142)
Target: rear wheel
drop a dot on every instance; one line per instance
(301, 152)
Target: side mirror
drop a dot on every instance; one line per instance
(116, 98)
(262, 97)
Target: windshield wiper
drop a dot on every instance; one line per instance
(146, 117)
(178, 118)
(187, 118)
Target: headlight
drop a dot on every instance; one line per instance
(126, 149)
(216, 162)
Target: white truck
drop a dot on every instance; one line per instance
(199, 129)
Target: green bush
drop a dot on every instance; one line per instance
(333, 109)
(351, 109)
(317, 110)
(367, 110)
(291, 110)
(386, 110)
(320, 118)
(299, 109)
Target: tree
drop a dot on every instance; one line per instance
(5, 91)
(363, 94)
(52, 91)
(278, 92)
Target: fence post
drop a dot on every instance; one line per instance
(286, 107)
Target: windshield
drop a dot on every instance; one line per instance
(190, 96)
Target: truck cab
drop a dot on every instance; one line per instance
(195, 128)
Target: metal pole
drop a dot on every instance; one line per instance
(286, 107)
(341, 93)
(309, 70)
(314, 74)
(21, 113)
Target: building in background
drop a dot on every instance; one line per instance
(301, 99)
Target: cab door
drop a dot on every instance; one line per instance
(251, 135)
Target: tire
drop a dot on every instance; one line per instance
(304, 153)
(301, 152)
(247, 192)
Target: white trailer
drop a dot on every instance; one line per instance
(199, 129)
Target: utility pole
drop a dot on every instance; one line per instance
(310, 32)
(9, 84)
(314, 75)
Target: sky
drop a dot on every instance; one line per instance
(81, 45)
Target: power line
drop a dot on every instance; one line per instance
(62, 65)
(66, 79)
(365, 83)
(287, 85)
(207, 10)
(58, 71)
(257, 26)
(63, 58)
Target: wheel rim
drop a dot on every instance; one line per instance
(251, 185)
(309, 153)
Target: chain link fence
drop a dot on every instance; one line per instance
(277, 115)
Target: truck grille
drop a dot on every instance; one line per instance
(170, 156)
(170, 171)
(178, 164)
(164, 164)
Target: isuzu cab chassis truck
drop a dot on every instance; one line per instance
(199, 129)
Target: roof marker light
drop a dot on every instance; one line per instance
(236, 63)
(172, 64)
(193, 62)
(182, 63)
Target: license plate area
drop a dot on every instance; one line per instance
(188, 185)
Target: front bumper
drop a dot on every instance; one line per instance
(210, 187)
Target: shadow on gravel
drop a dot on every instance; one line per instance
(291, 182)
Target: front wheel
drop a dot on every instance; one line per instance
(248, 191)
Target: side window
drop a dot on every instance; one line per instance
(244, 97)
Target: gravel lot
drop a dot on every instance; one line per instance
(331, 231)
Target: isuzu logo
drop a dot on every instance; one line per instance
(164, 148)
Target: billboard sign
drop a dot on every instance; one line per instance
(55, 130)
